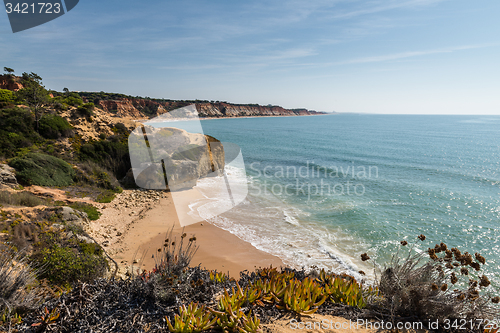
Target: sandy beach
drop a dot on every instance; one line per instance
(133, 227)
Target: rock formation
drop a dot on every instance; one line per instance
(173, 158)
(10, 82)
(7, 176)
(139, 108)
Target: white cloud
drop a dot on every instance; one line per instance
(410, 54)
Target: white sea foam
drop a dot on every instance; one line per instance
(272, 226)
(288, 216)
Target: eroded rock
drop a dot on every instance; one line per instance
(7, 176)
(72, 216)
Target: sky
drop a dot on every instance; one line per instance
(380, 56)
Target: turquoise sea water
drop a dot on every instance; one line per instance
(324, 189)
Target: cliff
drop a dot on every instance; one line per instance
(247, 110)
(144, 108)
(10, 82)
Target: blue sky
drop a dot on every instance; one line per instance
(405, 56)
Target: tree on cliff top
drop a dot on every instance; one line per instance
(35, 94)
(8, 71)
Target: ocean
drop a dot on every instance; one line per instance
(325, 189)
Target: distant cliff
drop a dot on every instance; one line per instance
(10, 82)
(247, 110)
(142, 108)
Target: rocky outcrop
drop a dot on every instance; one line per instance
(121, 108)
(7, 176)
(10, 82)
(74, 217)
(139, 108)
(89, 128)
(251, 110)
(173, 158)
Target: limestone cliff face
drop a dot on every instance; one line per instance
(248, 110)
(181, 157)
(122, 108)
(138, 108)
(89, 128)
(10, 82)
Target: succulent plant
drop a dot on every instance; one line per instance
(192, 319)
(344, 289)
(47, 318)
(218, 277)
(302, 297)
(250, 324)
(232, 301)
(230, 318)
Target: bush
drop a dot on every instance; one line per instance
(429, 288)
(63, 265)
(170, 275)
(16, 131)
(92, 212)
(72, 99)
(93, 174)
(111, 154)
(106, 197)
(53, 127)
(69, 261)
(7, 96)
(86, 109)
(43, 170)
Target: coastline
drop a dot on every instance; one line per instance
(238, 117)
(132, 233)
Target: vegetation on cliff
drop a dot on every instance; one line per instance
(43, 170)
(178, 298)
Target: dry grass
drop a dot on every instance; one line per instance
(175, 255)
(18, 292)
(24, 198)
(427, 285)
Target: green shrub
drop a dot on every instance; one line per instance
(91, 249)
(43, 170)
(111, 154)
(72, 99)
(65, 261)
(7, 96)
(53, 127)
(16, 131)
(91, 173)
(106, 197)
(90, 210)
(66, 265)
(87, 109)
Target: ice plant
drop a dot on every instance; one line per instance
(344, 289)
(191, 319)
(302, 297)
(47, 318)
